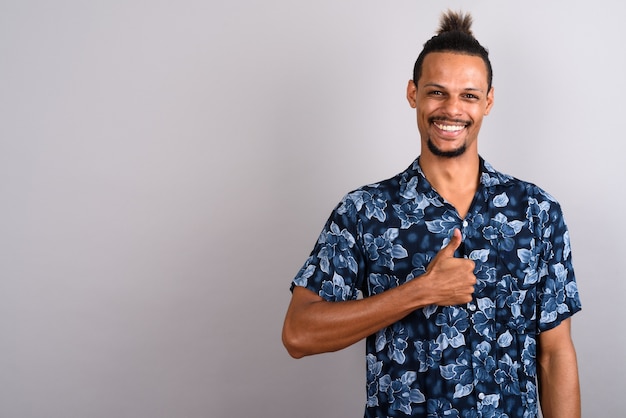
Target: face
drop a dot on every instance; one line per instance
(450, 99)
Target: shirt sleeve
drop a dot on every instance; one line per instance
(335, 268)
(558, 297)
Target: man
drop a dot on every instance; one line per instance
(465, 273)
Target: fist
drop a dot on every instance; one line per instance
(451, 280)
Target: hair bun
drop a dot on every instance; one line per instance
(455, 22)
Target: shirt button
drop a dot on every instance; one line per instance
(465, 223)
(471, 306)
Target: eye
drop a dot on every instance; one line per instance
(435, 93)
(470, 96)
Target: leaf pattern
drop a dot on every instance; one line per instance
(472, 361)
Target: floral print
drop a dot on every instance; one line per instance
(468, 361)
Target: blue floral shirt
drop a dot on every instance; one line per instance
(469, 361)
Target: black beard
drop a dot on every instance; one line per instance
(446, 154)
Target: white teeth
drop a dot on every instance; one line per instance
(450, 128)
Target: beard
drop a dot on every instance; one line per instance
(446, 154)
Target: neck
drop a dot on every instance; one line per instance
(455, 179)
(461, 171)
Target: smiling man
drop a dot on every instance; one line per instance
(465, 273)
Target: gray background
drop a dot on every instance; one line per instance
(165, 168)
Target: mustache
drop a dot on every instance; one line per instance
(454, 121)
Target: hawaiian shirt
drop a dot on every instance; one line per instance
(464, 361)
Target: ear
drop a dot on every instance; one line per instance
(411, 94)
(489, 102)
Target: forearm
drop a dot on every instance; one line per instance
(559, 384)
(313, 325)
(318, 326)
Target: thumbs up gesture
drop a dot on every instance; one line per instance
(450, 280)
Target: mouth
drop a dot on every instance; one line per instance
(448, 126)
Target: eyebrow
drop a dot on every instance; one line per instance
(439, 86)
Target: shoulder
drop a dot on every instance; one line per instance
(376, 195)
(520, 189)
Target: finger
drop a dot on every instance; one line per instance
(452, 246)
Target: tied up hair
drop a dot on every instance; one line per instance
(454, 35)
(459, 22)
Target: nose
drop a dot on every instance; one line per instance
(452, 106)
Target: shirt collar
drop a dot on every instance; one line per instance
(489, 176)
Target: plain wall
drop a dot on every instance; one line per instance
(166, 167)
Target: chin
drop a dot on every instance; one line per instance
(446, 154)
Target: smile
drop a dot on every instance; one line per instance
(449, 128)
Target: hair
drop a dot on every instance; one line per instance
(454, 35)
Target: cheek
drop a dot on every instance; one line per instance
(476, 126)
(422, 125)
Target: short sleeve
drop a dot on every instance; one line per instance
(335, 268)
(558, 296)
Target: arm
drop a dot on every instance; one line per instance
(559, 389)
(313, 325)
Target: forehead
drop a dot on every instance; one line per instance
(453, 69)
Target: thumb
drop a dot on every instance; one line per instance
(455, 242)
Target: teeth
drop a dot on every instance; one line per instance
(450, 128)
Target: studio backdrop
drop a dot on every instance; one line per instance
(166, 167)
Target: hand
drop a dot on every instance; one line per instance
(451, 280)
